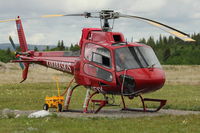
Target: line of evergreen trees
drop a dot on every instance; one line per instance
(61, 47)
(6, 55)
(169, 50)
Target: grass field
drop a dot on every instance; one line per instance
(182, 90)
(30, 96)
(162, 124)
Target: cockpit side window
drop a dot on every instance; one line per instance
(98, 55)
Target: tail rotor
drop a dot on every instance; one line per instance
(23, 66)
(16, 53)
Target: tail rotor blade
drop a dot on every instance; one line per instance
(21, 64)
(15, 48)
(13, 44)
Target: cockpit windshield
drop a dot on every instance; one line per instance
(135, 57)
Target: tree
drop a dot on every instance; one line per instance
(66, 48)
(166, 54)
(76, 47)
(142, 40)
(160, 42)
(165, 41)
(170, 40)
(8, 52)
(47, 48)
(58, 45)
(71, 47)
(35, 48)
(151, 41)
(62, 47)
(6, 55)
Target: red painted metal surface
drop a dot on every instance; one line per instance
(21, 35)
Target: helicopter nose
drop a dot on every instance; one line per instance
(142, 80)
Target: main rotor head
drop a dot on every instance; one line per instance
(105, 16)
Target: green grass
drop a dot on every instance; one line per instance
(161, 124)
(31, 96)
(184, 97)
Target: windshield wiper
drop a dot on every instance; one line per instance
(151, 66)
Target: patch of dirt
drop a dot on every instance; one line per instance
(12, 74)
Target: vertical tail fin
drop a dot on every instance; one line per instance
(23, 46)
(21, 35)
(25, 72)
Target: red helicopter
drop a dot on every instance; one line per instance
(106, 63)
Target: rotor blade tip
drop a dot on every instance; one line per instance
(53, 15)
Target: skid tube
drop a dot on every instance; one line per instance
(161, 101)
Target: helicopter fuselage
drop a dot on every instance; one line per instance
(107, 63)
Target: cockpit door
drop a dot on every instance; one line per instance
(97, 64)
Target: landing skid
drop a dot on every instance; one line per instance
(145, 109)
(103, 103)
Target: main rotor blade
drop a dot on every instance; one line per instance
(183, 36)
(61, 15)
(13, 44)
(86, 14)
(7, 20)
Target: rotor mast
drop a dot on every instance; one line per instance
(105, 15)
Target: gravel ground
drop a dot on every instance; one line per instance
(127, 114)
(114, 113)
